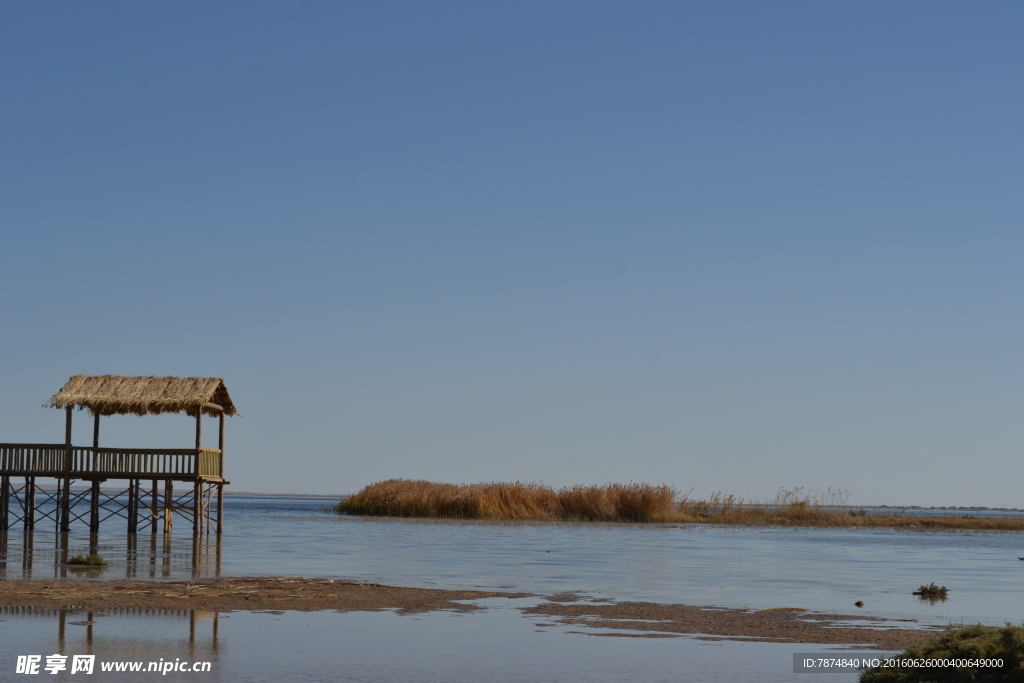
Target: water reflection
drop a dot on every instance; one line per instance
(497, 644)
(121, 634)
(200, 638)
(44, 555)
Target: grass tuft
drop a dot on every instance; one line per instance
(932, 592)
(88, 561)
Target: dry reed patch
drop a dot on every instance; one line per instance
(516, 501)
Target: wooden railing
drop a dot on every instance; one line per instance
(41, 458)
(122, 463)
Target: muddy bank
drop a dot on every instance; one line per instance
(223, 595)
(716, 623)
(631, 619)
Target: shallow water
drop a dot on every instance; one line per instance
(818, 569)
(494, 645)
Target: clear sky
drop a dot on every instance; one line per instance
(723, 246)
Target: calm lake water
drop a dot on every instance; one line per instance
(819, 569)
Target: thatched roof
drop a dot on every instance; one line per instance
(114, 395)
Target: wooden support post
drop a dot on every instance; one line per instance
(220, 508)
(152, 553)
(5, 501)
(199, 429)
(96, 431)
(30, 503)
(128, 509)
(197, 508)
(168, 507)
(132, 553)
(62, 542)
(65, 499)
(133, 505)
(220, 473)
(94, 508)
(28, 542)
(166, 555)
(155, 509)
(220, 446)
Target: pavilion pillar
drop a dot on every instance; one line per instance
(220, 508)
(94, 508)
(220, 472)
(197, 489)
(168, 507)
(133, 505)
(30, 503)
(65, 498)
(154, 511)
(220, 447)
(94, 502)
(5, 501)
(197, 508)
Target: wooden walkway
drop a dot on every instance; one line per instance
(146, 499)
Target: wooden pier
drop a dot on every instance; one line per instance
(145, 497)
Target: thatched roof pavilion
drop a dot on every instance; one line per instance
(200, 468)
(144, 470)
(116, 395)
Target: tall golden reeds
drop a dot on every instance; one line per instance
(641, 503)
(518, 501)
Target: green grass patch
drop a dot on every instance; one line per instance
(88, 561)
(964, 643)
(932, 592)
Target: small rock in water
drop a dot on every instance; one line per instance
(859, 603)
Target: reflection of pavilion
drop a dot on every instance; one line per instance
(201, 625)
(144, 471)
(201, 557)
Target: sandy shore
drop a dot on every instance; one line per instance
(627, 618)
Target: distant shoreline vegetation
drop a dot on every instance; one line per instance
(640, 503)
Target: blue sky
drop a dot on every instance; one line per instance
(726, 246)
